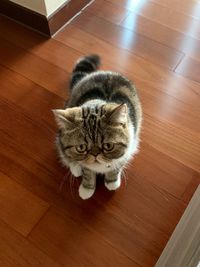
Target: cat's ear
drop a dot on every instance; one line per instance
(118, 114)
(67, 118)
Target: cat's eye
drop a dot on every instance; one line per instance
(81, 148)
(108, 146)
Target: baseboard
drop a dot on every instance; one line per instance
(36, 21)
(25, 16)
(183, 248)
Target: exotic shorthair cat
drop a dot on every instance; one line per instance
(100, 125)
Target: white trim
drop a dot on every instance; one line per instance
(52, 6)
(43, 7)
(183, 248)
(36, 5)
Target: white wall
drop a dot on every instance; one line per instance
(52, 5)
(36, 5)
(44, 7)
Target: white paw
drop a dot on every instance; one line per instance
(113, 185)
(85, 193)
(76, 170)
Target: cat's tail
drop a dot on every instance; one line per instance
(84, 66)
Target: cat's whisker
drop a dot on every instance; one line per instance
(71, 182)
(129, 164)
(124, 176)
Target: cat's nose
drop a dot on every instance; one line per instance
(95, 151)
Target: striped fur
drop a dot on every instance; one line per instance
(83, 67)
(103, 112)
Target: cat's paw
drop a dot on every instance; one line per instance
(76, 170)
(113, 185)
(85, 193)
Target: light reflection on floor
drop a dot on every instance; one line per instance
(131, 4)
(189, 45)
(127, 38)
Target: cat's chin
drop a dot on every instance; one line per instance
(97, 164)
(98, 167)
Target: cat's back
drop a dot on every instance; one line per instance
(106, 85)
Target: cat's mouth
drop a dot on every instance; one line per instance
(96, 162)
(93, 160)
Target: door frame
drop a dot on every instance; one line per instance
(183, 248)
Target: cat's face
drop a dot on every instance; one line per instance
(94, 137)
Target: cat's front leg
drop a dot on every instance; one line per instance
(113, 179)
(88, 184)
(75, 169)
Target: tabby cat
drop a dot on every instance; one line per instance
(99, 126)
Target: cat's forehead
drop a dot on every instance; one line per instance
(93, 111)
(91, 122)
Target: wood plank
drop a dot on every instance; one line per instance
(136, 238)
(166, 173)
(130, 5)
(151, 29)
(168, 17)
(32, 98)
(69, 235)
(44, 49)
(163, 34)
(144, 198)
(19, 208)
(190, 68)
(141, 71)
(36, 44)
(108, 11)
(15, 122)
(179, 144)
(184, 90)
(168, 109)
(129, 40)
(16, 251)
(39, 71)
(188, 7)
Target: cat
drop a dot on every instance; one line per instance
(100, 125)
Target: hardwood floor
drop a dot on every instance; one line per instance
(156, 43)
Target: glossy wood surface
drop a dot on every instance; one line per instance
(156, 44)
